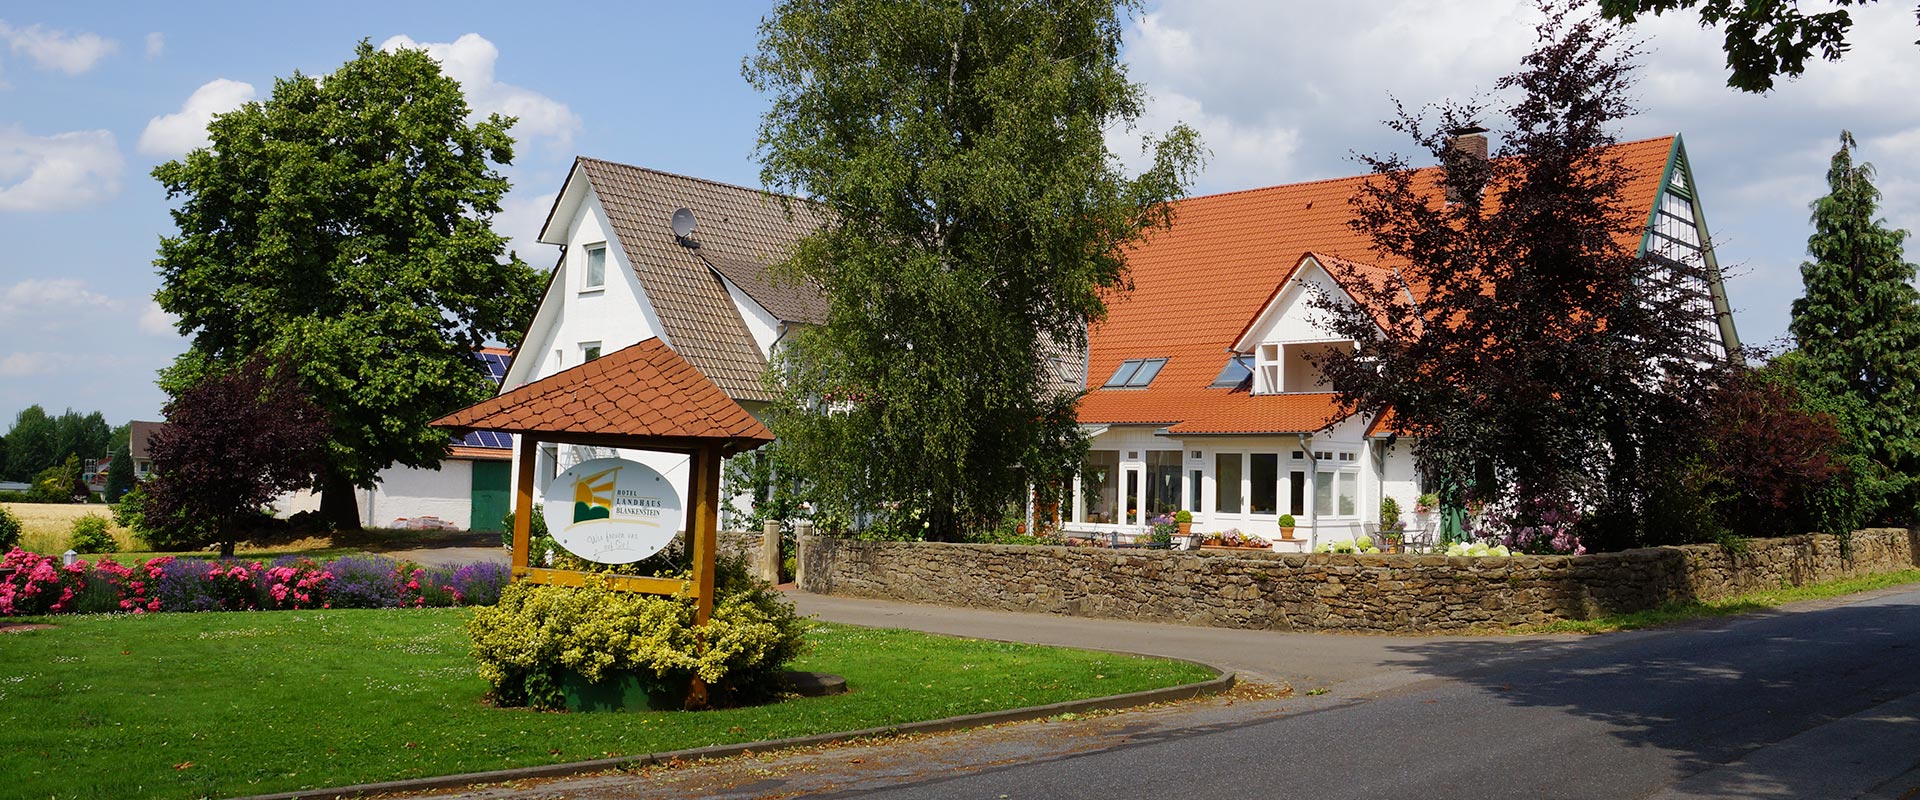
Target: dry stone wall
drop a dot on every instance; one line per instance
(1325, 591)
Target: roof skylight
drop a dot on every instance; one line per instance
(1135, 373)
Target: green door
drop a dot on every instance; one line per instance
(491, 495)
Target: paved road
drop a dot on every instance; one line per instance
(1814, 701)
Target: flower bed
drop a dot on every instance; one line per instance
(32, 584)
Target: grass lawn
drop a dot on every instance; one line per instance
(1672, 613)
(221, 704)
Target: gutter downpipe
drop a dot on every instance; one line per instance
(1313, 467)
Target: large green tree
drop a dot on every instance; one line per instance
(343, 225)
(977, 224)
(1858, 321)
(31, 444)
(84, 435)
(1765, 39)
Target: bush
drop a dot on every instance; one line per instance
(366, 582)
(90, 536)
(480, 584)
(1183, 517)
(536, 635)
(9, 530)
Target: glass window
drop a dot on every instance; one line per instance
(1323, 493)
(596, 276)
(1266, 483)
(1100, 484)
(1132, 500)
(1347, 494)
(1124, 373)
(1226, 483)
(1163, 482)
(589, 351)
(1297, 498)
(1193, 493)
(1148, 369)
(1235, 373)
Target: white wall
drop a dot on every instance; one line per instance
(761, 323)
(446, 493)
(1133, 441)
(617, 315)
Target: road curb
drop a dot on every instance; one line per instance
(1220, 683)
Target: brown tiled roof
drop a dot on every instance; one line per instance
(138, 433)
(643, 390)
(1267, 413)
(782, 296)
(1198, 284)
(736, 225)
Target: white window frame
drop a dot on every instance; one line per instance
(589, 282)
(590, 351)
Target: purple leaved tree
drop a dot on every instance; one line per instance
(233, 442)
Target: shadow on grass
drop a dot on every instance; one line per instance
(1712, 693)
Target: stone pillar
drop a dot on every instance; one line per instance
(769, 567)
(802, 531)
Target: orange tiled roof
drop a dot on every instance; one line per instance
(1268, 413)
(1197, 285)
(643, 390)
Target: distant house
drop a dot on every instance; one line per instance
(469, 491)
(138, 435)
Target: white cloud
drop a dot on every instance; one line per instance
(519, 220)
(157, 321)
(176, 134)
(21, 365)
(156, 44)
(71, 53)
(62, 171)
(51, 294)
(470, 60)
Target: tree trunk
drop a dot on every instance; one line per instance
(339, 502)
(226, 549)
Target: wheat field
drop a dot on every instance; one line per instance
(46, 526)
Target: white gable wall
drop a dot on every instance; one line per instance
(617, 315)
(761, 323)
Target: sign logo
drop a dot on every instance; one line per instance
(613, 511)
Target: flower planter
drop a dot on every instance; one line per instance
(1286, 534)
(1186, 528)
(617, 690)
(1234, 547)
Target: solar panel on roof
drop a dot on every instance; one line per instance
(496, 365)
(489, 439)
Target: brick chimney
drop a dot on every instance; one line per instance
(1471, 140)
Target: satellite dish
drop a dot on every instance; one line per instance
(683, 223)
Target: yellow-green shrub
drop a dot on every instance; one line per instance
(537, 634)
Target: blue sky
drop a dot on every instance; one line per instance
(93, 96)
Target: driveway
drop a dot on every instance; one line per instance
(1816, 700)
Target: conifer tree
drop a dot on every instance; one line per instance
(1858, 321)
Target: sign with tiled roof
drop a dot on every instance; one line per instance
(643, 390)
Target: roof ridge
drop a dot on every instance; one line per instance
(1298, 184)
(708, 181)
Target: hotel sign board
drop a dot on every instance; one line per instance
(613, 511)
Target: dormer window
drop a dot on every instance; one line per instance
(1135, 373)
(596, 271)
(1235, 374)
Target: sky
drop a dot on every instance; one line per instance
(93, 98)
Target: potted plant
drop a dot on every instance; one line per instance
(1286, 527)
(1184, 519)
